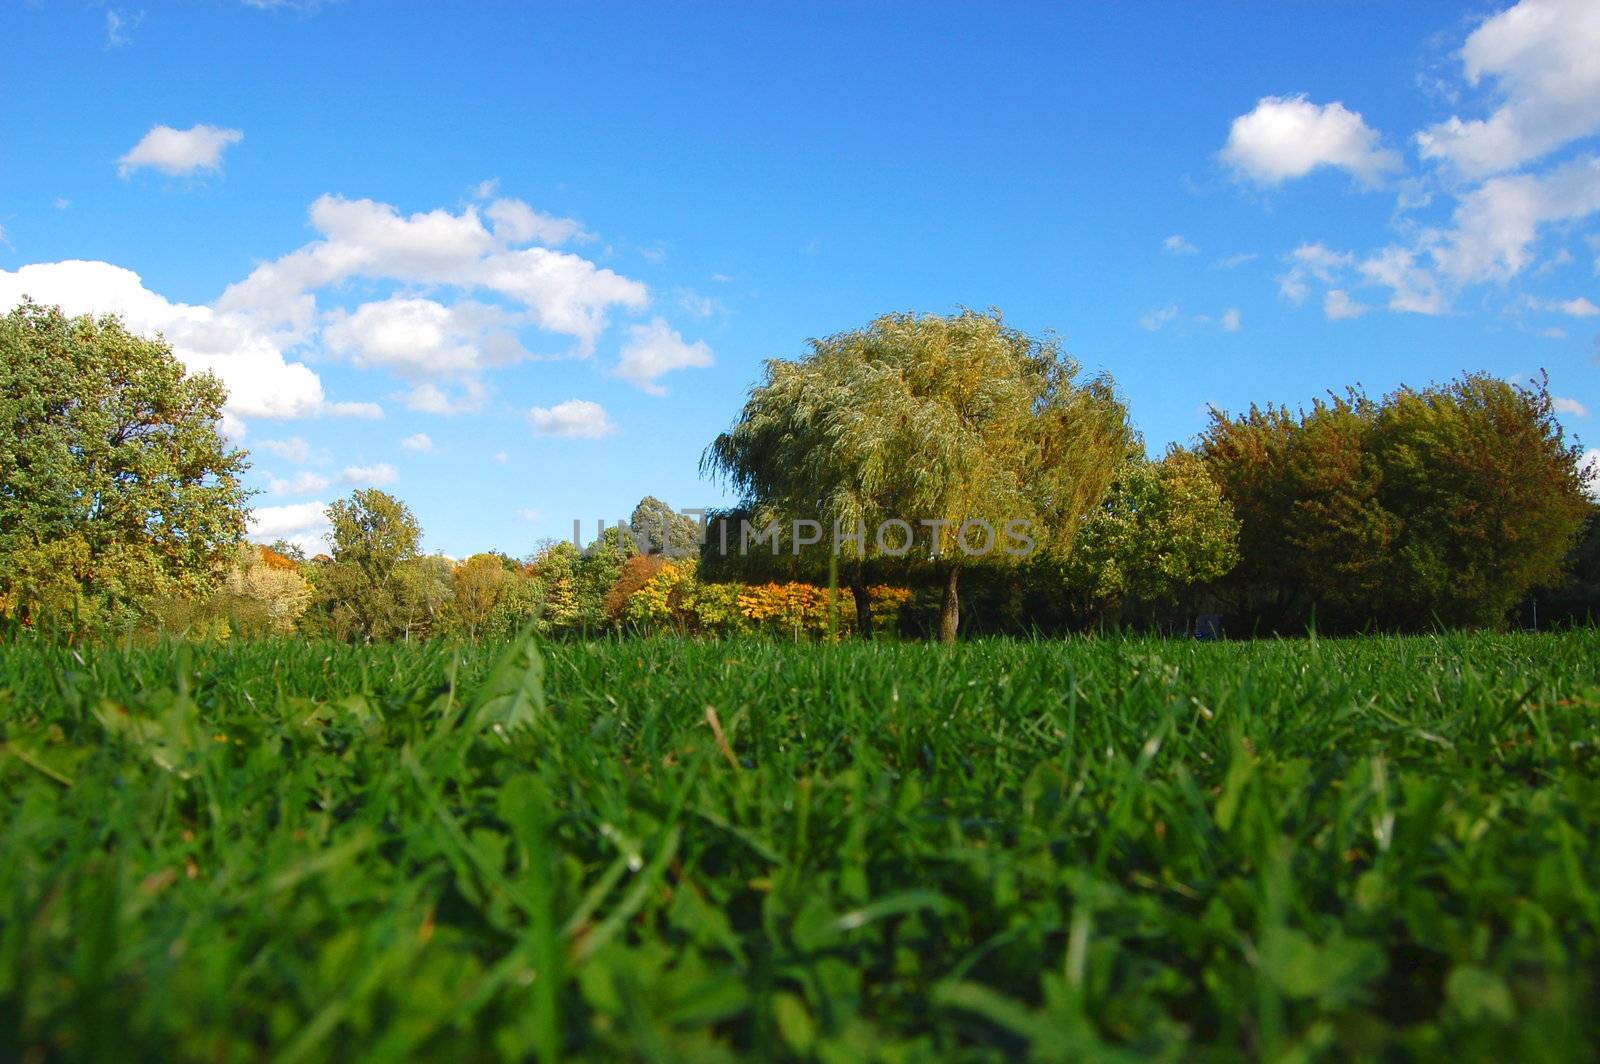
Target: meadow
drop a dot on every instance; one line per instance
(664, 849)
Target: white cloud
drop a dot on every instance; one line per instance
(656, 349)
(374, 475)
(484, 189)
(1540, 56)
(177, 152)
(1576, 308)
(420, 442)
(575, 418)
(1232, 261)
(1496, 224)
(1310, 261)
(423, 338)
(250, 362)
(1230, 320)
(1338, 306)
(1155, 319)
(559, 292)
(502, 457)
(1553, 334)
(463, 397)
(722, 278)
(529, 515)
(302, 483)
(1289, 136)
(1569, 406)
(305, 524)
(61, 203)
(294, 449)
(1177, 245)
(364, 411)
(1413, 287)
(517, 223)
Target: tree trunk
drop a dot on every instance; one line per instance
(950, 608)
(863, 597)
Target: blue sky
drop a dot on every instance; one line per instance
(519, 264)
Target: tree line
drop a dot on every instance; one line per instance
(122, 508)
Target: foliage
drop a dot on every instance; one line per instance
(1444, 505)
(367, 585)
(1488, 493)
(1379, 848)
(263, 593)
(1163, 529)
(476, 585)
(664, 529)
(922, 418)
(117, 488)
(636, 573)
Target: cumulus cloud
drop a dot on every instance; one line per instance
(373, 475)
(261, 382)
(1311, 262)
(1177, 245)
(1576, 308)
(1230, 320)
(556, 291)
(1289, 136)
(1569, 406)
(1538, 58)
(656, 349)
(420, 442)
(305, 524)
(1338, 306)
(421, 338)
(294, 449)
(302, 483)
(575, 419)
(517, 223)
(179, 152)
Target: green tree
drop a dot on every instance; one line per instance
(373, 535)
(935, 421)
(1163, 529)
(117, 487)
(1489, 495)
(665, 530)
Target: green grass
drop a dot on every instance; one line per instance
(1381, 847)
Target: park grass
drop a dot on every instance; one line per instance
(673, 850)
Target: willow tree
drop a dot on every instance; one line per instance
(945, 423)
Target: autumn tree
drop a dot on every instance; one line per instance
(1443, 505)
(946, 423)
(1315, 537)
(477, 583)
(117, 487)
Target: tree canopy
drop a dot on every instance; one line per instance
(117, 486)
(936, 421)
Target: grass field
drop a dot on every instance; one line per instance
(664, 850)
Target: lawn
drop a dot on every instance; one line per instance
(670, 850)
